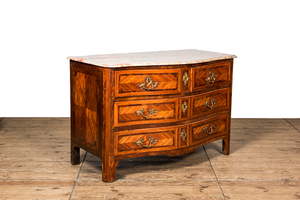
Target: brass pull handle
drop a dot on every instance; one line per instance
(212, 128)
(151, 112)
(184, 107)
(212, 77)
(152, 140)
(148, 85)
(212, 102)
(185, 78)
(183, 134)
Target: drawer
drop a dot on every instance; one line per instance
(209, 129)
(147, 82)
(145, 112)
(145, 140)
(211, 75)
(210, 102)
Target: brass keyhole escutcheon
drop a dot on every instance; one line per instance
(184, 106)
(185, 78)
(183, 134)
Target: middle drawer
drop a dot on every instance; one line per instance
(145, 112)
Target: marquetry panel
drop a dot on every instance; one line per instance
(209, 128)
(210, 102)
(147, 82)
(211, 75)
(126, 142)
(146, 112)
(84, 91)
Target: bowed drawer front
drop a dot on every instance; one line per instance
(210, 75)
(146, 140)
(210, 102)
(146, 112)
(147, 82)
(170, 103)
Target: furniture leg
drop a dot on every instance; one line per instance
(226, 145)
(109, 171)
(75, 155)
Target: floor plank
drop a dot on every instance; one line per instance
(268, 153)
(264, 164)
(194, 166)
(261, 190)
(38, 189)
(147, 190)
(295, 122)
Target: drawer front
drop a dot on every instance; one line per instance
(147, 82)
(211, 75)
(208, 129)
(210, 102)
(145, 140)
(146, 112)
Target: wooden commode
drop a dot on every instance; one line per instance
(152, 103)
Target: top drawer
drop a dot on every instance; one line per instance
(147, 82)
(209, 75)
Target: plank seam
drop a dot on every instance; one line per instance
(77, 176)
(214, 173)
(292, 125)
(2, 119)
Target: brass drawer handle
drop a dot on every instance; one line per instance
(185, 78)
(212, 102)
(212, 77)
(151, 112)
(184, 107)
(152, 140)
(212, 128)
(183, 134)
(148, 85)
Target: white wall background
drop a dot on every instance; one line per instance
(37, 36)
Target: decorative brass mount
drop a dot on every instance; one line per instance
(151, 112)
(212, 128)
(152, 140)
(212, 102)
(212, 77)
(149, 84)
(183, 134)
(185, 78)
(184, 106)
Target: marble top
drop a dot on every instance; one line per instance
(173, 57)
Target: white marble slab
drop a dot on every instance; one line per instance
(173, 57)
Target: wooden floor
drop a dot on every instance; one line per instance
(264, 164)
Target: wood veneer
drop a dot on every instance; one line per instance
(105, 102)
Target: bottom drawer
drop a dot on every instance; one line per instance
(208, 129)
(145, 140)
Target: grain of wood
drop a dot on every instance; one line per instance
(147, 190)
(36, 189)
(194, 166)
(258, 154)
(295, 123)
(263, 164)
(261, 190)
(35, 159)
